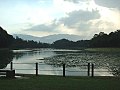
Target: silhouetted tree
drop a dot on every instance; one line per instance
(106, 40)
(5, 38)
(20, 43)
(63, 44)
(82, 43)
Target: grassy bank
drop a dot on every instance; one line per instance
(60, 83)
(103, 49)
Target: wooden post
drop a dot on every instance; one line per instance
(88, 69)
(92, 70)
(11, 65)
(10, 74)
(63, 70)
(36, 69)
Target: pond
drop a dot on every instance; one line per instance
(51, 61)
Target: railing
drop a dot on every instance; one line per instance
(89, 70)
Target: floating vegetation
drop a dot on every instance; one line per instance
(100, 59)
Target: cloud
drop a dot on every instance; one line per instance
(74, 1)
(76, 22)
(79, 17)
(108, 3)
(77, 1)
(51, 28)
(83, 23)
(44, 27)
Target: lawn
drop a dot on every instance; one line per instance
(60, 83)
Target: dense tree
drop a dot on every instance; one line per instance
(106, 40)
(114, 39)
(66, 44)
(99, 40)
(63, 44)
(5, 38)
(82, 43)
(20, 43)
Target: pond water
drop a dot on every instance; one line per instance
(51, 61)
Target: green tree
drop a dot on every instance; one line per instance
(5, 38)
(63, 44)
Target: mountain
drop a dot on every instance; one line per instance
(26, 37)
(49, 38)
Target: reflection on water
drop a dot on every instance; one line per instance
(51, 60)
(6, 57)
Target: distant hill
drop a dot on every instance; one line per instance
(50, 38)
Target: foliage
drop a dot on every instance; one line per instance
(20, 43)
(5, 38)
(66, 44)
(99, 40)
(63, 43)
(7, 41)
(106, 40)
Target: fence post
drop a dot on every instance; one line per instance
(92, 70)
(63, 70)
(36, 69)
(11, 65)
(88, 69)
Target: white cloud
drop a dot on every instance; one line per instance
(109, 3)
(78, 1)
(74, 1)
(75, 23)
(65, 7)
(44, 17)
(51, 28)
(77, 17)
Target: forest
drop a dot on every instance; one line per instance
(8, 41)
(101, 40)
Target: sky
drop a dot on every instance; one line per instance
(47, 17)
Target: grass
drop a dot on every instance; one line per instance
(60, 83)
(103, 49)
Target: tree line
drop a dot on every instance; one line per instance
(106, 40)
(19, 43)
(98, 41)
(101, 40)
(5, 38)
(8, 41)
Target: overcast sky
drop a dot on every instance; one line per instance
(47, 17)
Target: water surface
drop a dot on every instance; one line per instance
(51, 61)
